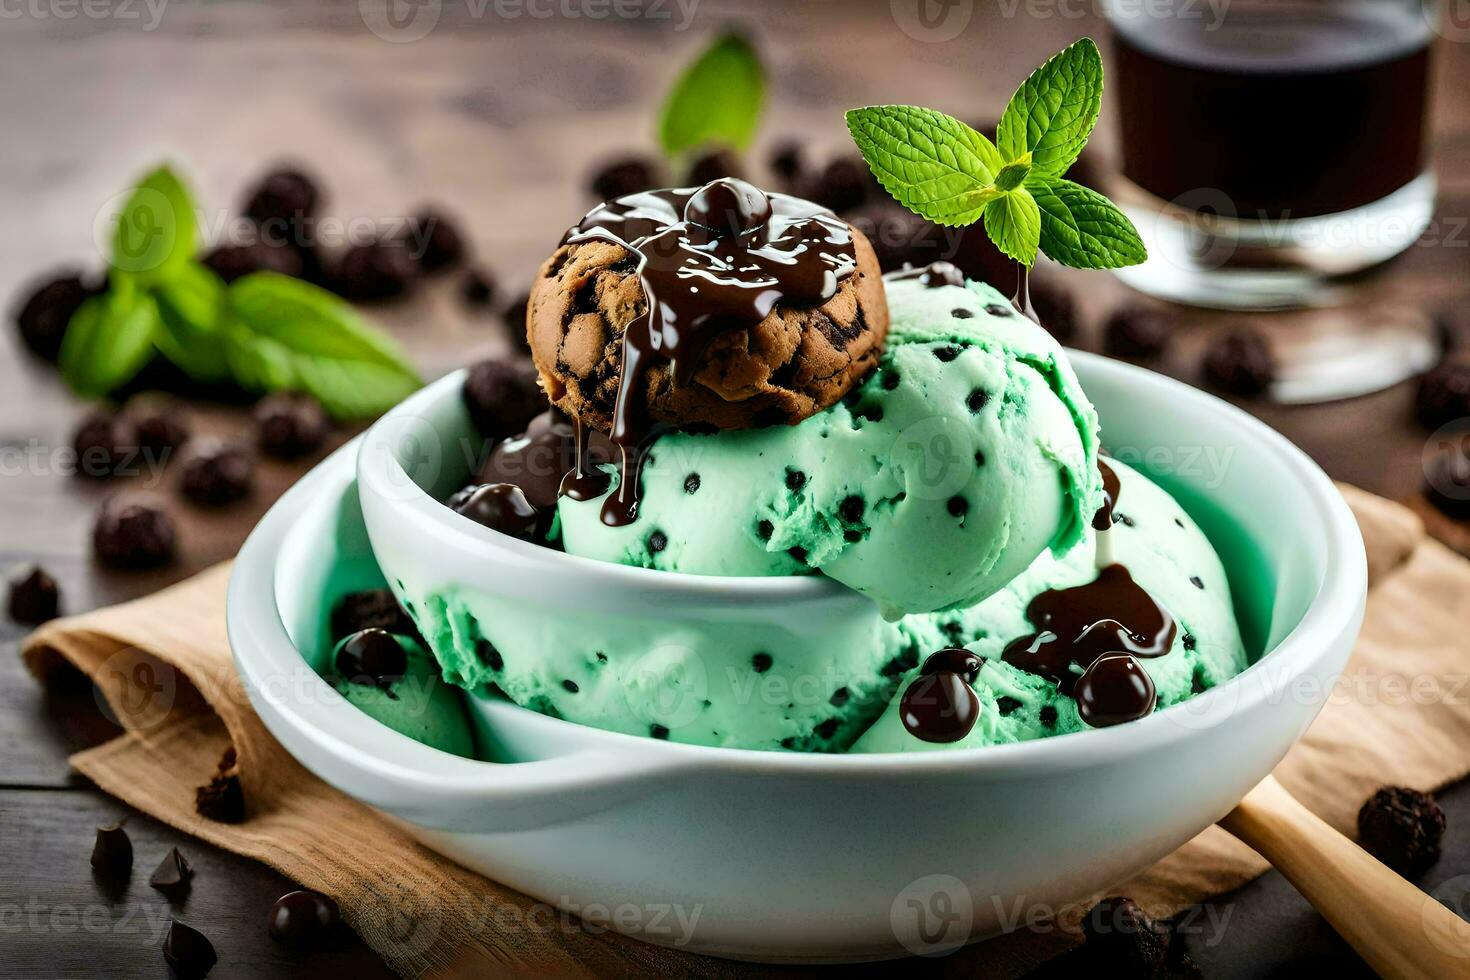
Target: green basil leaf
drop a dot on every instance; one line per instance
(1054, 111)
(191, 307)
(716, 100)
(931, 163)
(156, 235)
(1013, 222)
(286, 334)
(108, 340)
(1082, 229)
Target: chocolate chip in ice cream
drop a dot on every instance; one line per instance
(34, 597)
(500, 507)
(1403, 828)
(133, 531)
(289, 424)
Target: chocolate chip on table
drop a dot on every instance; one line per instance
(1136, 332)
(216, 472)
(502, 398)
(285, 196)
(501, 507)
(302, 918)
(786, 161)
(231, 262)
(34, 597)
(106, 444)
(714, 164)
(1447, 483)
(435, 240)
(43, 317)
(1403, 828)
(1121, 940)
(370, 609)
(624, 176)
(1240, 361)
(373, 657)
(477, 288)
(373, 271)
(133, 531)
(845, 184)
(1443, 394)
(289, 424)
(173, 874)
(514, 316)
(159, 422)
(112, 854)
(187, 952)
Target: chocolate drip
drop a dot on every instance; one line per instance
(547, 459)
(930, 276)
(940, 705)
(1022, 299)
(1103, 519)
(1076, 626)
(711, 259)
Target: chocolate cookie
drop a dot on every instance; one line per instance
(794, 362)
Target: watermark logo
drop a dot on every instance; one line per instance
(135, 690)
(668, 686)
(401, 21)
(937, 454)
(1450, 481)
(932, 21)
(1449, 19)
(933, 915)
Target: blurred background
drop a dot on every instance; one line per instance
(482, 129)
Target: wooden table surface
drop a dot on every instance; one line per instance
(499, 118)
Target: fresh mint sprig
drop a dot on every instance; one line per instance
(945, 171)
(717, 99)
(265, 332)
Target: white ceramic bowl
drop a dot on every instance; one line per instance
(797, 857)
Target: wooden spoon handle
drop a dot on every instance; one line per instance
(1395, 927)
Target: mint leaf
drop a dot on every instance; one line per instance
(1082, 229)
(1054, 111)
(156, 233)
(285, 334)
(190, 307)
(716, 100)
(1013, 222)
(108, 340)
(933, 164)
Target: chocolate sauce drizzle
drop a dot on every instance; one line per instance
(711, 259)
(930, 276)
(1102, 628)
(940, 705)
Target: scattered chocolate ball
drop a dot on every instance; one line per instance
(285, 196)
(714, 164)
(436, 241)
(112, 854)
(728, 207)
(1447, 483)
(621, 177)
(289, 424)
(786, 161)
(1054, 307)
(374, 271)
(1136, 332)
(215, 473)
(477, 288)
(514, 316)
(231, 262)
(1240, 361)
(133, 531)
(501, 507)
(173, 874)
(1121, 937)
(845, 183)
(1402, 828)
(43, 317)
(1443, 395)
(106, 444)
(502, 398)
(187, 952)
(370, 609)
(34, 597)
(160, 423)
(302, 918)
(373, 657)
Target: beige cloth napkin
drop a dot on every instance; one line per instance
(1400, 715)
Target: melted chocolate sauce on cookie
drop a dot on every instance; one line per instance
(931, 276)
(711, 259)
(1102, 629)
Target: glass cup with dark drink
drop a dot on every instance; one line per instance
(1272, 148)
